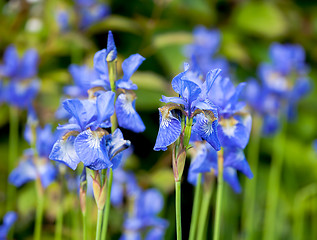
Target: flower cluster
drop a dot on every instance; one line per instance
(284, 82)
(85, 137)
(22, 84)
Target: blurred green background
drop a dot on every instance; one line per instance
(159, 30)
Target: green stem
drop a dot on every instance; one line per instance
(204, 211)
(84, 226)
(248, 209)
(178, 210)
(13, 149)
(195, 213)
(107, 207)
(219, 196)
(59, 222)
(39, 212)
(99, 224)
(274, 186)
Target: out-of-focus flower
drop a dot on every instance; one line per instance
(22, 85)
(146, 205)
(202, 53)
(62, 18)
(8, 220)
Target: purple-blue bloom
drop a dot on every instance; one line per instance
(22, 86)
(147, 204)
(8, 220)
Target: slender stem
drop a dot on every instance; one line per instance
(204, 211)
(314, 218)
(59, 222)
(274, 186)
(84, 226)
(248, 210)
(13, 149)
(178, 210)
(99, 224)
(219, 196)
(39, 210)
(195, 213)
(107, 207)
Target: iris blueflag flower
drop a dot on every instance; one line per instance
(91, 11)
(202, 53)
(62, 19)
(35, 163)
(146, 205)
(22, 85)
(233, 131)
(191, 103)
(8, 220)
(127, 116)
(284, 83)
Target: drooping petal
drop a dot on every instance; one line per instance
(234, 157)
(127, 116)
(25, 172)
(169, 131)
(89, 150)
(176, 100)
(64, 151)
(231, 177)
(206, 128)
(233, 132)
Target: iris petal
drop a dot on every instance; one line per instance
(127, 116)
(64, 151)
(169, 131)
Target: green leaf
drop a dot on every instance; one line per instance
(261, 18)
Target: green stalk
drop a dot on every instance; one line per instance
(59, 222)
(274, 186)
(248, 209)
(84, 226)
(39, 210)
(99, 224)
(13, 149)
(107, 207)
(204, 212)
(219, 196)
(195, 213)
(178, 210)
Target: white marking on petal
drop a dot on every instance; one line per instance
(228, 126)
(93, 140)
(207, 127)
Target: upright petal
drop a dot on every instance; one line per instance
(111, 48)
(11, 62)
(105, 106)
(130, 65)
(28, 65)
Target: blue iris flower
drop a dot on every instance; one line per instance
(194, 104)
(147, 205)
(202, 53)
(82, 76)
(33, 166)
(284, 83)
(62, 18)
(91, 12)
(23, 85)
(8, 220)
(205, 159)
(127, 116)
(85, 140)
